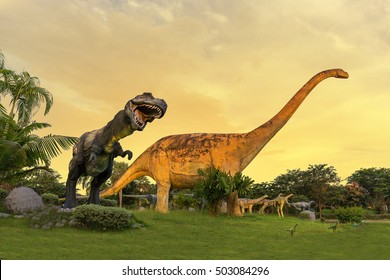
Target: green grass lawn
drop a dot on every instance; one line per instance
(188, 235)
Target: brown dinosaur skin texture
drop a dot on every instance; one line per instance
(173, 161)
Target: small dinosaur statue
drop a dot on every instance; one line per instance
(302, 205)
(334, 227)
(292, 230)
(174, 161)
(246, 203)
(280, 201)
(95, 151)
(267, 203)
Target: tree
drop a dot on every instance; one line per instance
(241, 185)
(45, 182)
(319, 179)
(377, 183)
(355, 195)
(17, 141)
(214, 187)
(291, 182)
(218, 185)
(25, 93)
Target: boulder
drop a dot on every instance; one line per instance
(21, 200)
(307, 215)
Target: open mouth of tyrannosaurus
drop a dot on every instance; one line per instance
(145, 113)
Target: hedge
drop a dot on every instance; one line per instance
(97, 217)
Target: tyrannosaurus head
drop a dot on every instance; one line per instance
(143, 109)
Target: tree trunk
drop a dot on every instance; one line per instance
(233, 209)
(320, 206)
(120, 198)
(214, 208)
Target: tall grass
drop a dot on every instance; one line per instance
(188, 235)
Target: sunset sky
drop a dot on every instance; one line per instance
(222, 66)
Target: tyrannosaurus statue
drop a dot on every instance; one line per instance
(173, 161)
(95, 151)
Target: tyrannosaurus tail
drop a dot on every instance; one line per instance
(136, 170)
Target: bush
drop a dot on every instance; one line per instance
(184, 201)
(50, 199)
(213, 186)
(108, 202)
(378, 216)
(103, 201)
(3, 194)
(58, 189)
(103, 218)
(350, 215)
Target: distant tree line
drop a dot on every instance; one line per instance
(367, 187)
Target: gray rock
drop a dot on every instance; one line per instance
(307, 215)
(35, 218)
(21, 200)
(19, 217)
(136, 226)
(46, 227)
(4, 215)
(66, 210)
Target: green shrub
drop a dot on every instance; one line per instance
(183, 200)
(97, 217)
(108, 202)
(55, 188)
(82, 200)
(213, 186)
(3, 194)
(350, 215)
(103, 201)
(50, 199)
(378, 216)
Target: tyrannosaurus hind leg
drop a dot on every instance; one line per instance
(95, 186)
(74, 173)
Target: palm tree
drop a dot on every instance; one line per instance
(23, 152)
(25, 93)
(241, 185)
(17, 141)
(214, 187)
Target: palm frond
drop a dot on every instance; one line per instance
(28, 129)
(44, 149)
(3, 111)
(2, 59)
